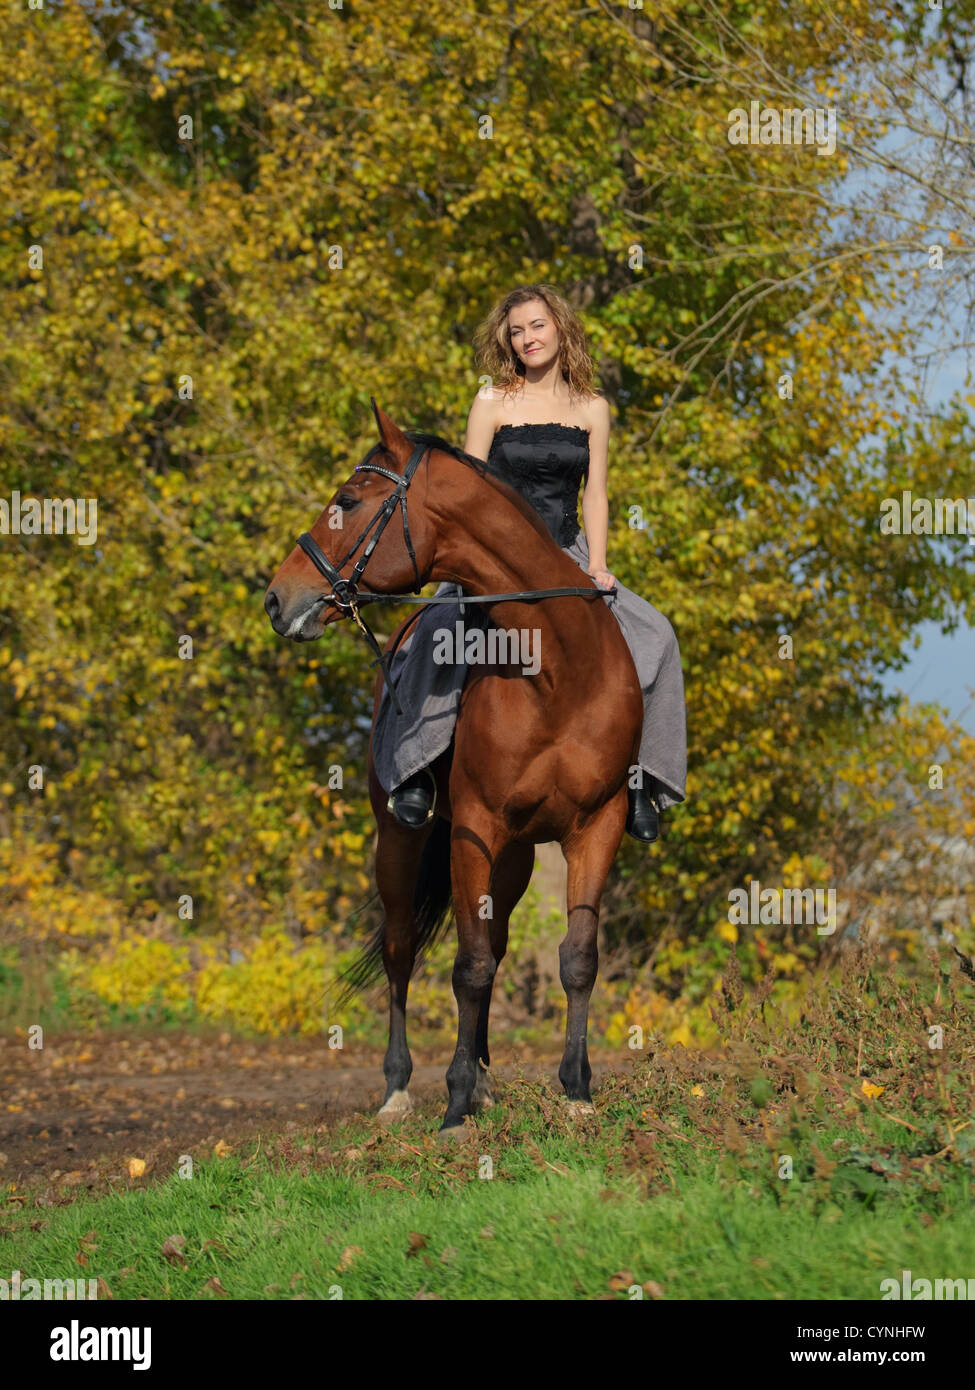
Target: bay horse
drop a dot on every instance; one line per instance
(535, 758)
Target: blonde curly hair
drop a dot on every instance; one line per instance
(496, 357)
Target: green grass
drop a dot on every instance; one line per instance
(573, 1211)
(527, 1233)
(677, 1183)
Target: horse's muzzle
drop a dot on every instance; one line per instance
(302, 620)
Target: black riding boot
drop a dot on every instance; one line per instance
(643, 821)
(412, 802)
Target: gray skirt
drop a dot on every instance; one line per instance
(429, 692)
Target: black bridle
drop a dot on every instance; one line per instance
(345, 592)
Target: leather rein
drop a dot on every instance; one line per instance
(346, 595)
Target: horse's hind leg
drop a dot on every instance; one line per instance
(398, 858)
(590, 854)
(511, 877)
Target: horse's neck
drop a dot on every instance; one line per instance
(488, 546)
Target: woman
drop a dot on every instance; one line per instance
(542, 429)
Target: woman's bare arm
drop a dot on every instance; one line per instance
(481, 424)
(595, 501)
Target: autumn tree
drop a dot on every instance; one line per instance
(227, 226)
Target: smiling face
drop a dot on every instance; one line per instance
(533, 333)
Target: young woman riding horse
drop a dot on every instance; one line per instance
(543, 430)
(534, 758)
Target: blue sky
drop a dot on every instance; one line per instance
(942, 669)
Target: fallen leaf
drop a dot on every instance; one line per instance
(172, 1248)
(222, 1149)
(871, 1091)
(417, 1242)
(348, 1257)
(137, 1166)
(620, 1281)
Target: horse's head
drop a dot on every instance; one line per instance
(300, 600)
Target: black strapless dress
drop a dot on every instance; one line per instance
(546, 464)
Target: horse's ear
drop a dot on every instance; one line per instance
(391, 437)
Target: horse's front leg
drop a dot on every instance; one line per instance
(471, 864)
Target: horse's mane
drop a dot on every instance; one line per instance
(435, 441)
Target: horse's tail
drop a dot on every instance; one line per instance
(431, 909)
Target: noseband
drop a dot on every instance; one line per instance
(345, 592)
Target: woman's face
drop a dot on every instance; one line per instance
(534, 336)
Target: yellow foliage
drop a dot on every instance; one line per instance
(204, 777)
(276, 989)
(676, 1021)
(133, 972)
(39, 903)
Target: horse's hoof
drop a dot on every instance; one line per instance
(453, 1133)
(483, 1096)
(396, 1108)
(577, 1108)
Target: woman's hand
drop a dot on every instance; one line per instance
(603, 578)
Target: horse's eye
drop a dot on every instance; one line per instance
(346, 503)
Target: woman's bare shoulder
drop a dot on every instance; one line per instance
(486, 406)
(596, 412)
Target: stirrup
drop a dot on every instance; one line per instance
(430, 813)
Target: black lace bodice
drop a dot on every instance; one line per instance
(546, 464)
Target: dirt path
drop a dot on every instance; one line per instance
(74, 1112)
